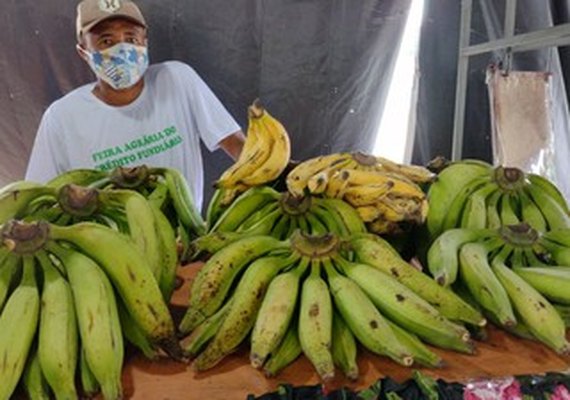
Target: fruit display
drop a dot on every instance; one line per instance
(515, 275)
(473, 194)
(320, 295)
(385, 194)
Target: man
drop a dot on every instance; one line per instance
(132, 114)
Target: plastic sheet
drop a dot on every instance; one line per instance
(521, 120)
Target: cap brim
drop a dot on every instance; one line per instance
(92, 24)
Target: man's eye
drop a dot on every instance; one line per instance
(133, 40)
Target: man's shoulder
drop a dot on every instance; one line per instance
(72, 100)
(172, 70)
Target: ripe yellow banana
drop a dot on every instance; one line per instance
(363, 195)
(19, 320)
(364, 319)
(315, 323)
(58, 336)
(275, 313)
(398, 186)
(280, 151)
(369, 213)
(415, 173)
(317, 183)
(337, 184)
(97, 318)
(298, 178)
(253, 154)
(240, 318)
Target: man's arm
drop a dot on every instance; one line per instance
(233, 144)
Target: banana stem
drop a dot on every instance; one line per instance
(132, 177)
(24, 238)
(78, 200)
(314, 246)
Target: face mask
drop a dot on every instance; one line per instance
(121, 65)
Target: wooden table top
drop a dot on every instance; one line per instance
(501, 355)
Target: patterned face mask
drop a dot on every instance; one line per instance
(121, 65)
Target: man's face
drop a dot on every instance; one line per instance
(111, 32)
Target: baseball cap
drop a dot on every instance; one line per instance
(91, 12)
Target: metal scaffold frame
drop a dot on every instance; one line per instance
(555, 36)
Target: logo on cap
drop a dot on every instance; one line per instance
(109, 6)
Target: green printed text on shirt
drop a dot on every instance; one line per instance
(137, 149)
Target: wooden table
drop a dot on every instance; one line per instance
(234, 378)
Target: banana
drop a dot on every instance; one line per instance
(507, 212)
(493, 217)
(302, 224)
(18, 322)
(559, 254)
(81, 177)
(560, 237)
(549, 188)
(245, 205)
(551, 282)
(316, 226)
(215, 208)
(395, 184)
(364, 319)
(89, 383)
(299, 176)
(265, 225)
(131, 277)
(330, 219)
(240, 318)
(281, 227)
(564, 312)
(452, 218)
(531, 213)
(418, 350)
(159, 196)
(195, 342)
(33, 379)
(315, 323)
(449, 183)
(183, 201)
(141, 222)
(442, 256)
(10, 266)
(287, 352)
(475, 212)
(406, 308)
(280, 152)
(388, 213)
(256, 151)
(317, 184)
(216, 276)
(415, 173)
(57, 337)
(167, 252)
(344, 214)
(97, 318)
(275, 313)
(344, 349)
(337, 184)
(257, 216)
(536, 312)
(364, 195)
(213, 242)
(15, 197)
(373, 250)
(555, 215)
(368, 213)
(133, 333)
(477, 275)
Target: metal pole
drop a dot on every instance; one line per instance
(461, 86)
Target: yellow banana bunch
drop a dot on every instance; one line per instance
(367, 183)
(265, 154)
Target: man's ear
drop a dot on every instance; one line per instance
(82, 52)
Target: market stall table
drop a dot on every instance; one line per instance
(501, 355)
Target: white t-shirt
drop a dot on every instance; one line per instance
(162, 127)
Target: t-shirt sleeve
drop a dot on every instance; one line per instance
(213, 121)
(43, 163)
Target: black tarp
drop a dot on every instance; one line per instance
(321, 66)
